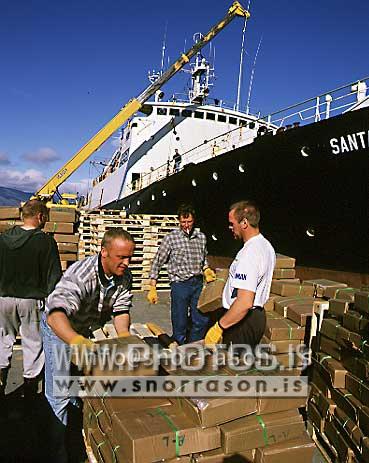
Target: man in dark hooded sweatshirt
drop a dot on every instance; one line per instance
(30, 268)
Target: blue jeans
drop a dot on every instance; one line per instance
(54, 347)
(184, 298)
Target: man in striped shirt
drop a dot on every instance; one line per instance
(184, 251)
(90, 292)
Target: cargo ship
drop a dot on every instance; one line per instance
(306, 166)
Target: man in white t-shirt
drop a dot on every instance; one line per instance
(248, 285)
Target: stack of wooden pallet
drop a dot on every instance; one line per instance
(147, 231)
(9, 216)
(62, 224)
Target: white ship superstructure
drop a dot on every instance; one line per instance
(195, 129)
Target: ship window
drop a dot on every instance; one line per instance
(174, 112)
(199, 115)
(162, 111)
(186, 113)
(243, 123)
(232, 120)
(222, 118)
(252, 125)
(134, 125)
(210, 116)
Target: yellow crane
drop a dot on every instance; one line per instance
(47, 191)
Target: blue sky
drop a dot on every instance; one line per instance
(68, 67)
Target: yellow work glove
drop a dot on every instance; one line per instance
(214, 335)
(152, 295)
(209, 275)
(124, 334)
(80, 340)
(82, 352)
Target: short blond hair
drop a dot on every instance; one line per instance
(246, 210)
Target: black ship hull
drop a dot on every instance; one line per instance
(311, 183)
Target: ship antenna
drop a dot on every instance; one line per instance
(241, 66)
(163, 49)
(252, 76)
(241, 61)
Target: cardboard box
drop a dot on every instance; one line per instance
(300, 314)
(363, 419)
(283, 261)
(281, 305)
(321, 286)
(329, 328)
(365, 449)
(280, 404)
(214, 411)
(256, 431)
(341, 445)
(269, 305)
(346, 294)
(330, 347)
(332, 370)
(350, 429)
(62, 215)
(358, 388)
(211, 295)
(299, 450)
(58, 227)
(70, 257)
(359, 367)
(354, 321)
(153, 435)
(9, 213)
(338, 307)
(284, 288)
(361, 301)
(347, 402)
(284, 273)
(67, 247)
(347, 338)
(106, 407)
(282, 347)
(278, 328)
(218, 456)
(101, 447)
(61, 238)
(125, 349)
(325, 405)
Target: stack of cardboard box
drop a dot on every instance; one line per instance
(144, 430)
(337, 406)
(62, 225)
(9, 217)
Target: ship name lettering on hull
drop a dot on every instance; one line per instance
(350, 142)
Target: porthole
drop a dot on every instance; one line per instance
(152, 197)
(305, 151)
(242, 168)
(164, 193)
(215, 176)
(194, 182)
(214, 238)
(310, 232)
(138, 202)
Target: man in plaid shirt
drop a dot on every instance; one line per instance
(184, 250)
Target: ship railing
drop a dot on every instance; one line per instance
(322, 106)
(210, 148)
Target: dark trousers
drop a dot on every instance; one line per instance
(188, 323)
(248, 331)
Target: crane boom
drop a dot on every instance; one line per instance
(51, 186)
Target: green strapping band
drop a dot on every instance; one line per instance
(347, 395)
(113, 452)
(325, 358)
(344, 424)
(101, 443)
(289, 329)
(55, 226)
(172, 425)
(263, 427)
(99, 413)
